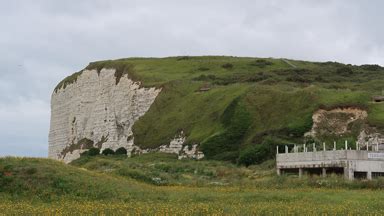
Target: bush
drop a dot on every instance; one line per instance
(204, 77)
(121, 151)
(253, 155)
(297, 78)
(369, 67)
(203, 69)
(93, 151)
(227, 66)
(108, 151)
(344, 71)
(261, 63)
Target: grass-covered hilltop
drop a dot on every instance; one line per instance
(238, 108)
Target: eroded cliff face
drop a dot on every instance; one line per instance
(337, 121)
(95, 111)
(341, 121)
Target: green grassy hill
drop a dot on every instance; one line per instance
(160, 184)
(251, 103)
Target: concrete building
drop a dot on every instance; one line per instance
(366, 164)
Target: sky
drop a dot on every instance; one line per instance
(43, 41)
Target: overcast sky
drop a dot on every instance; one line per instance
(41, 42)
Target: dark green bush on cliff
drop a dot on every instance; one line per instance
(108, 151)
(91, 152)
(121, 151)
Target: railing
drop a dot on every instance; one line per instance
(304, 148)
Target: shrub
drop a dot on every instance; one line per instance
(204, 77)
(227, 66)
(181, 58)
(261, 63)
(93, 151)
(203, 69)
(369, 67)
(344, 71)
(108, 151)
(297, 78)
(253, 155)
(121, 151)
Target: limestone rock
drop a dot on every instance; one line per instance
(335, 121)
(94, 107)
(177, 146)
(94, 111)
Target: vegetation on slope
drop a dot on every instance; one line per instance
(277, 97)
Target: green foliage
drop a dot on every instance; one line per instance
(121, 151)
(261, 63)
(67, 81)
(93, 152)
(371, 67)
(83, 143)
(108, 151)
(279, 99)
(227, 66)
(122, 68)
(344, 71)
(151, 183)
(236, 121)
(253, 155)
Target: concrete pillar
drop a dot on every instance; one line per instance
(348, 173)
(313, 147)
(369, 175)
(323, 146)
(300, 172)
(277, 149)
(334, 146)
(278, 171)
(305, 150)
(324, 173)
(346, 145)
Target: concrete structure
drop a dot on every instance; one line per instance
(352, 164)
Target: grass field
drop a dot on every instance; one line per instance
(159, 184)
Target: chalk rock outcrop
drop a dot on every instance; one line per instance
(176, 146)
(97, 111)
(340, 121)
(336, 121)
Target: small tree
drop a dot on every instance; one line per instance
(121, 151)
(108, 151)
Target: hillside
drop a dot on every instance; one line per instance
(161, 184)
(231, 106)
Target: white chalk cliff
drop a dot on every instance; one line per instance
(97, 109)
